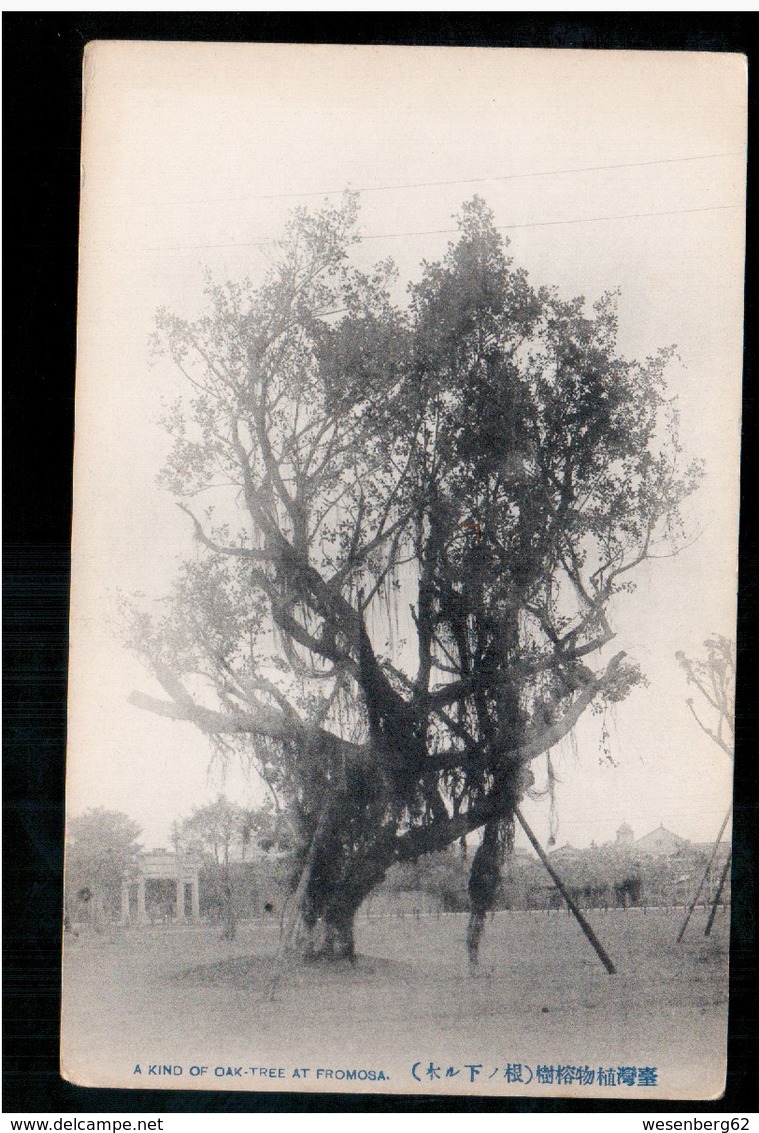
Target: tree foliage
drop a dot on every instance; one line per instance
(223, 831)
(411, 524)
(223, 835)
(101, 850)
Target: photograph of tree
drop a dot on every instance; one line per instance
(405, 540)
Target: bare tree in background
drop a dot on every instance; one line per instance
(713, 676)
(223, 834)
(411, 524)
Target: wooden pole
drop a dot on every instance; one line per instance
(600, 951)
(715, 847)
(718, 894)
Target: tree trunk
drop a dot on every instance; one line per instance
(329, 935)
(328, 938)
(330, 910)
(339, 939)
(339, 867)
(331, 890)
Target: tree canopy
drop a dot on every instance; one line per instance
(101, 850)
(411, 521)
(223, 831)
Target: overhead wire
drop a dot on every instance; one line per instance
(267, 243)
(448, 231)
(296, 193)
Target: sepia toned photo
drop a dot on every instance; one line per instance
(404, 568)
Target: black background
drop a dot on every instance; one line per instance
(42, 57)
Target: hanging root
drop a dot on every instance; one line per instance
(484, 879)
(473, 933)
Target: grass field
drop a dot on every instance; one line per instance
(182, 997)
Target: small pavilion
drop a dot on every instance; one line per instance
(161, 866)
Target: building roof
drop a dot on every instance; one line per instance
(661, 841)
(164, 864)
(565, 851)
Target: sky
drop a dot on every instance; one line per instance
(605, 170)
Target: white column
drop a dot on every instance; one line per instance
(180, 899)
(125, 902)
(141, 912)
(195, 898)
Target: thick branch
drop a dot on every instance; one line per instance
(269, 723)
(541, 741)
(238, 552)
(216, 723)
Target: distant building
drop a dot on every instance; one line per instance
(566, 853)
(164, 886)
(661, 868)
(662, 843)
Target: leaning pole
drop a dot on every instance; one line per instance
(718, 895)
(709, 864)
(599, 948)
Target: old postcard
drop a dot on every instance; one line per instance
(404, 570)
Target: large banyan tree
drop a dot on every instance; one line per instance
(410, 521)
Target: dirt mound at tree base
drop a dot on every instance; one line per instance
(257, 972)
